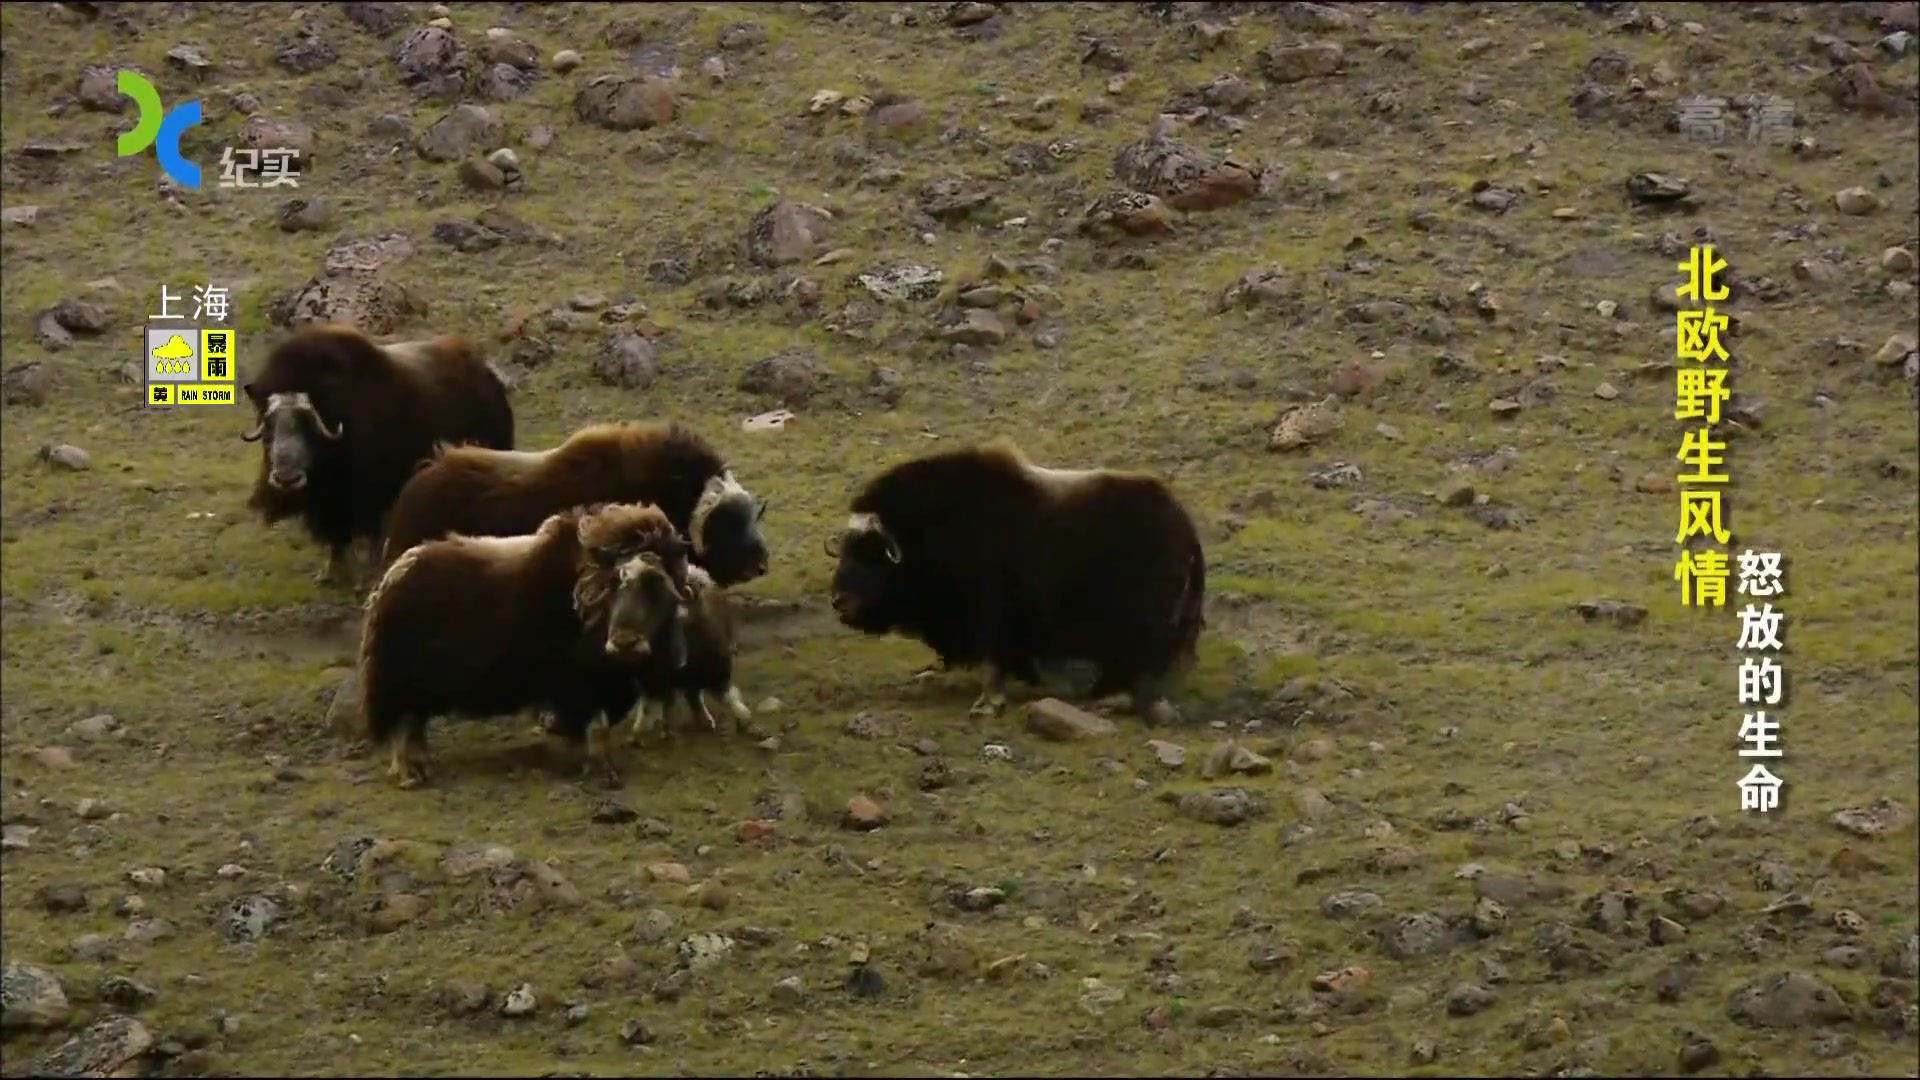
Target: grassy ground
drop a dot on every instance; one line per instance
(1439, 724)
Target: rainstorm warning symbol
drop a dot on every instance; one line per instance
(173, 358)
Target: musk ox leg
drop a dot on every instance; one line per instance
(643, 720)
(993, 693)
(742, 716)
(408, 764)
(1151, 705)
(336, 571)
(600, 752)
(697, 708)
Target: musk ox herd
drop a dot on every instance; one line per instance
(589, 580)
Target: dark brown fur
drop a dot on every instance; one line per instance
(477, 492)
(1003, 565)
(709, 661)
(484, 627)
(393, 408)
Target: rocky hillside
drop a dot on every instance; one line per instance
(1385, 289)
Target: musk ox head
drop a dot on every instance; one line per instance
(725, 529)
(633, 578)
(863, 582)
(295, 435)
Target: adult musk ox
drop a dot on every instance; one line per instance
(479, 492)
(344, 421)
(991, 560)
(560, 618)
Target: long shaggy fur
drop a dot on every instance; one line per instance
(397, 402)
(709, 661)
(1024, 567)
(486, 626)
(478, 492)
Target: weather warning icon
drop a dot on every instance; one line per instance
(171, 354)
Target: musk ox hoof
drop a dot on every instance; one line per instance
(1161, 713)
(988, 706)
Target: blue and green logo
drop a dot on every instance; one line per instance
(159, 129)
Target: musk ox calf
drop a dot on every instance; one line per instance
(991, 560)
(343, 422)
(708, 665)
(479, 492)
(561, 618)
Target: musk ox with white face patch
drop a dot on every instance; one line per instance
(991, 560)
(478, 492)
(343, 421)
(561, 619)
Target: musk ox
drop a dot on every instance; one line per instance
(479, 492)
(708, 666)
(991, 560)
(560, 618)
(343, 422)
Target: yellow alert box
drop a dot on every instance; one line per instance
(216, 356)
(204, 394)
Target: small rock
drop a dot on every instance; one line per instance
(93, 728)
(1788, 1000)
(1856, 201)
(1606, 391)
(1054, 719)
(112, 1047)
(702, 951)
(1465, 999)
(1897, 260)
(1096, 997)
(63, 899)
(63, 456)
(1221, 806)
(31, 998)
(863, 814)
(1172, 755)
(520, 1001)
(395, 910)
(566, 60)
(23, 216)
(1880, 818)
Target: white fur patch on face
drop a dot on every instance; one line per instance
(719, 489)
(294, 399)
(698, 578)
(633, 569)
(859, 523)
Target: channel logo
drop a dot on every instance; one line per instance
(159, 129)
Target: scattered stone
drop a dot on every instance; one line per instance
(23, 216)
(1220, 806)
(1298, 63)
(248, 919)
(1856, 201)
(566, 60)
(863, 814)
(1881, 817)
(788, 232)
(520, 1001)
(464, 131)
(1054, 719)
(620, 103)
(63, 899)
(626, 360)
(111, 1047)
(901, 284)
(1305, 425)
(1618, 612)
(1466, 999)
(1787, 1000)
(1171, 755)
(31, 998)
(63, 456)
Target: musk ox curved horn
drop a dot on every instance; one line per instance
(321, 422)
(258, 429)
(893, 547)
(833, 542)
